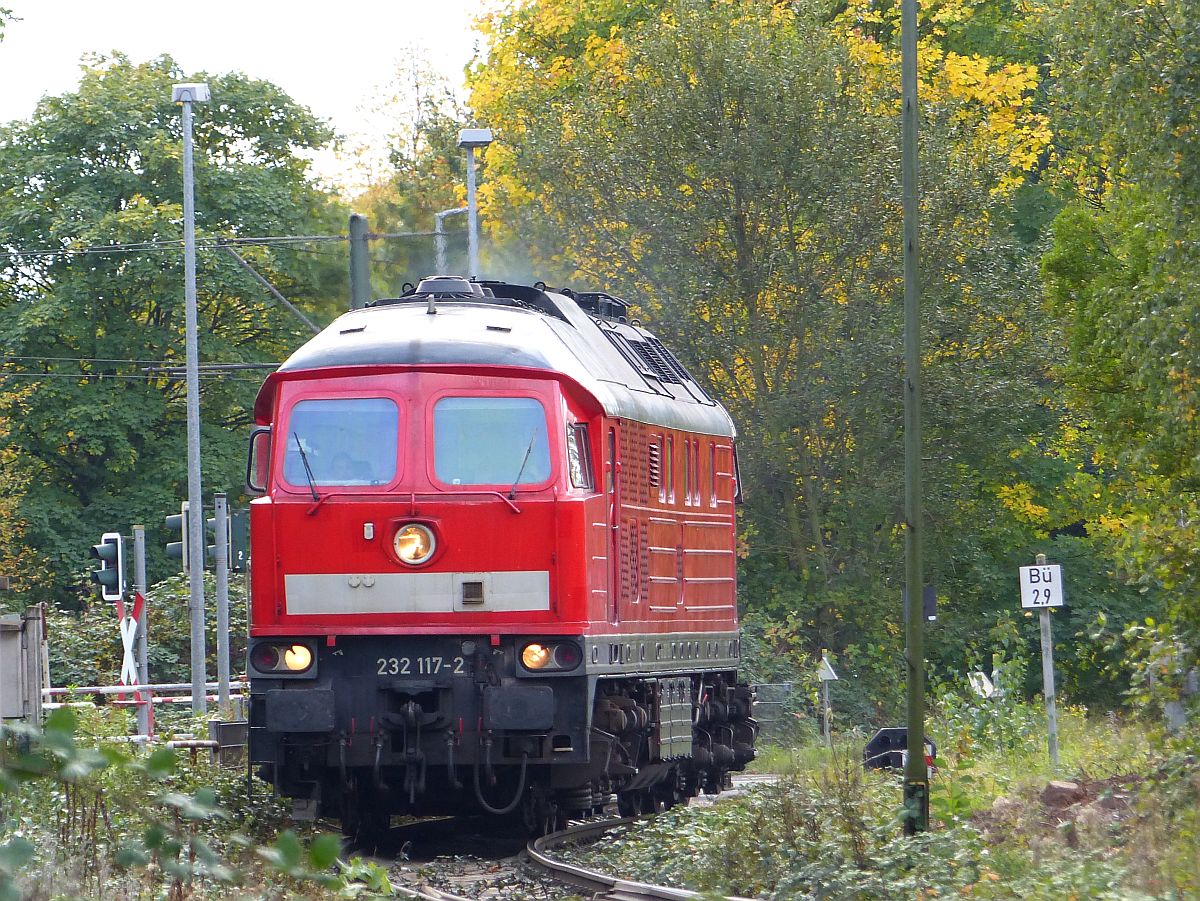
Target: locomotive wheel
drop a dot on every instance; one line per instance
(713, 780)
(365, 821)
(691, 781)
(671, 791)
(629, 803)
(540, 815)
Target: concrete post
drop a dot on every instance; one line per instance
(143, 648)
(195, 497)
(360, 263)
(221, 513)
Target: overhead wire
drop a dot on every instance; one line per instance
(168, 243)
(101, 376)
(7, 358)
(154, 369)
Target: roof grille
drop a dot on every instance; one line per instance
(674, 363)
(658, 359)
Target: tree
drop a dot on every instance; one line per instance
(732, 169)
(1122, 269)
(427, 176)
(93, 433)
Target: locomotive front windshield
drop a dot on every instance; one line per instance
(490, 441)
(343, 441)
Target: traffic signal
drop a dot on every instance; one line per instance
(210, 550)
(238, 539)
(178, 550)
(111, 574)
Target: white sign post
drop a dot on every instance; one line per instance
(827, 675)
(1041, 589)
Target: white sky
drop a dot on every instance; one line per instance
(333, 57)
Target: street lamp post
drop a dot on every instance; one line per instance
(469, 139)
(186, 95)
(439, 232)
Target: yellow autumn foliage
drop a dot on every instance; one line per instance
(1018, 498)
(993, 98)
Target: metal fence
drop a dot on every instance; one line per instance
(772, 709)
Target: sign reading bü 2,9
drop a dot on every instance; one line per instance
(1041, 586)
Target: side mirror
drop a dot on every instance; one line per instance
(258, 460)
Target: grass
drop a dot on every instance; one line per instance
(137, 823)
(828, 829)
(782, 759)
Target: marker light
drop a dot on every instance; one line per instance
(414, 544)
(282, 658)
(297, 658)
(551, 657)
(536, 656)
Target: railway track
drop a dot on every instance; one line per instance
(576, 881)
(602, 886)
(503, 872)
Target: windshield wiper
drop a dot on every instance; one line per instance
(512, 492)
(312, 483)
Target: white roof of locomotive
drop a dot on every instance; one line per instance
(556, 336)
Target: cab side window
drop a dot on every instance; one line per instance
(579, 456)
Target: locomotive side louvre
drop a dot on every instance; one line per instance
(499, 534)
(676, 555)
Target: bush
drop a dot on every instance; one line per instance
(88, 821)
(85, 647)
(830, 830)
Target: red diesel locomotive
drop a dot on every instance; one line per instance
(493, 564)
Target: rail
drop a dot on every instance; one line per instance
(427, 893)
(164, 688)
(611, 887)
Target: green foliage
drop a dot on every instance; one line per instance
(85, 646)
(1006, 722)
(90, 441)
(1159, 659)
(1121, 272)
(727, 168)
(821, 833)
(91, 822)
(828, 829)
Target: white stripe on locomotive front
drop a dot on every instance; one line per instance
(333, 593)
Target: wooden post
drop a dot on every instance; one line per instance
(826, 714)
(916, 775)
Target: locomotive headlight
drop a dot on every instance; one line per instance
(414, 543)
(283, 658)
(536, 656)
(551, 656)
(297, 658)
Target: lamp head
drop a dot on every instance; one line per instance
(194, 92)
(474, 137)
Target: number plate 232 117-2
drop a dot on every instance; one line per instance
(426, 665)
